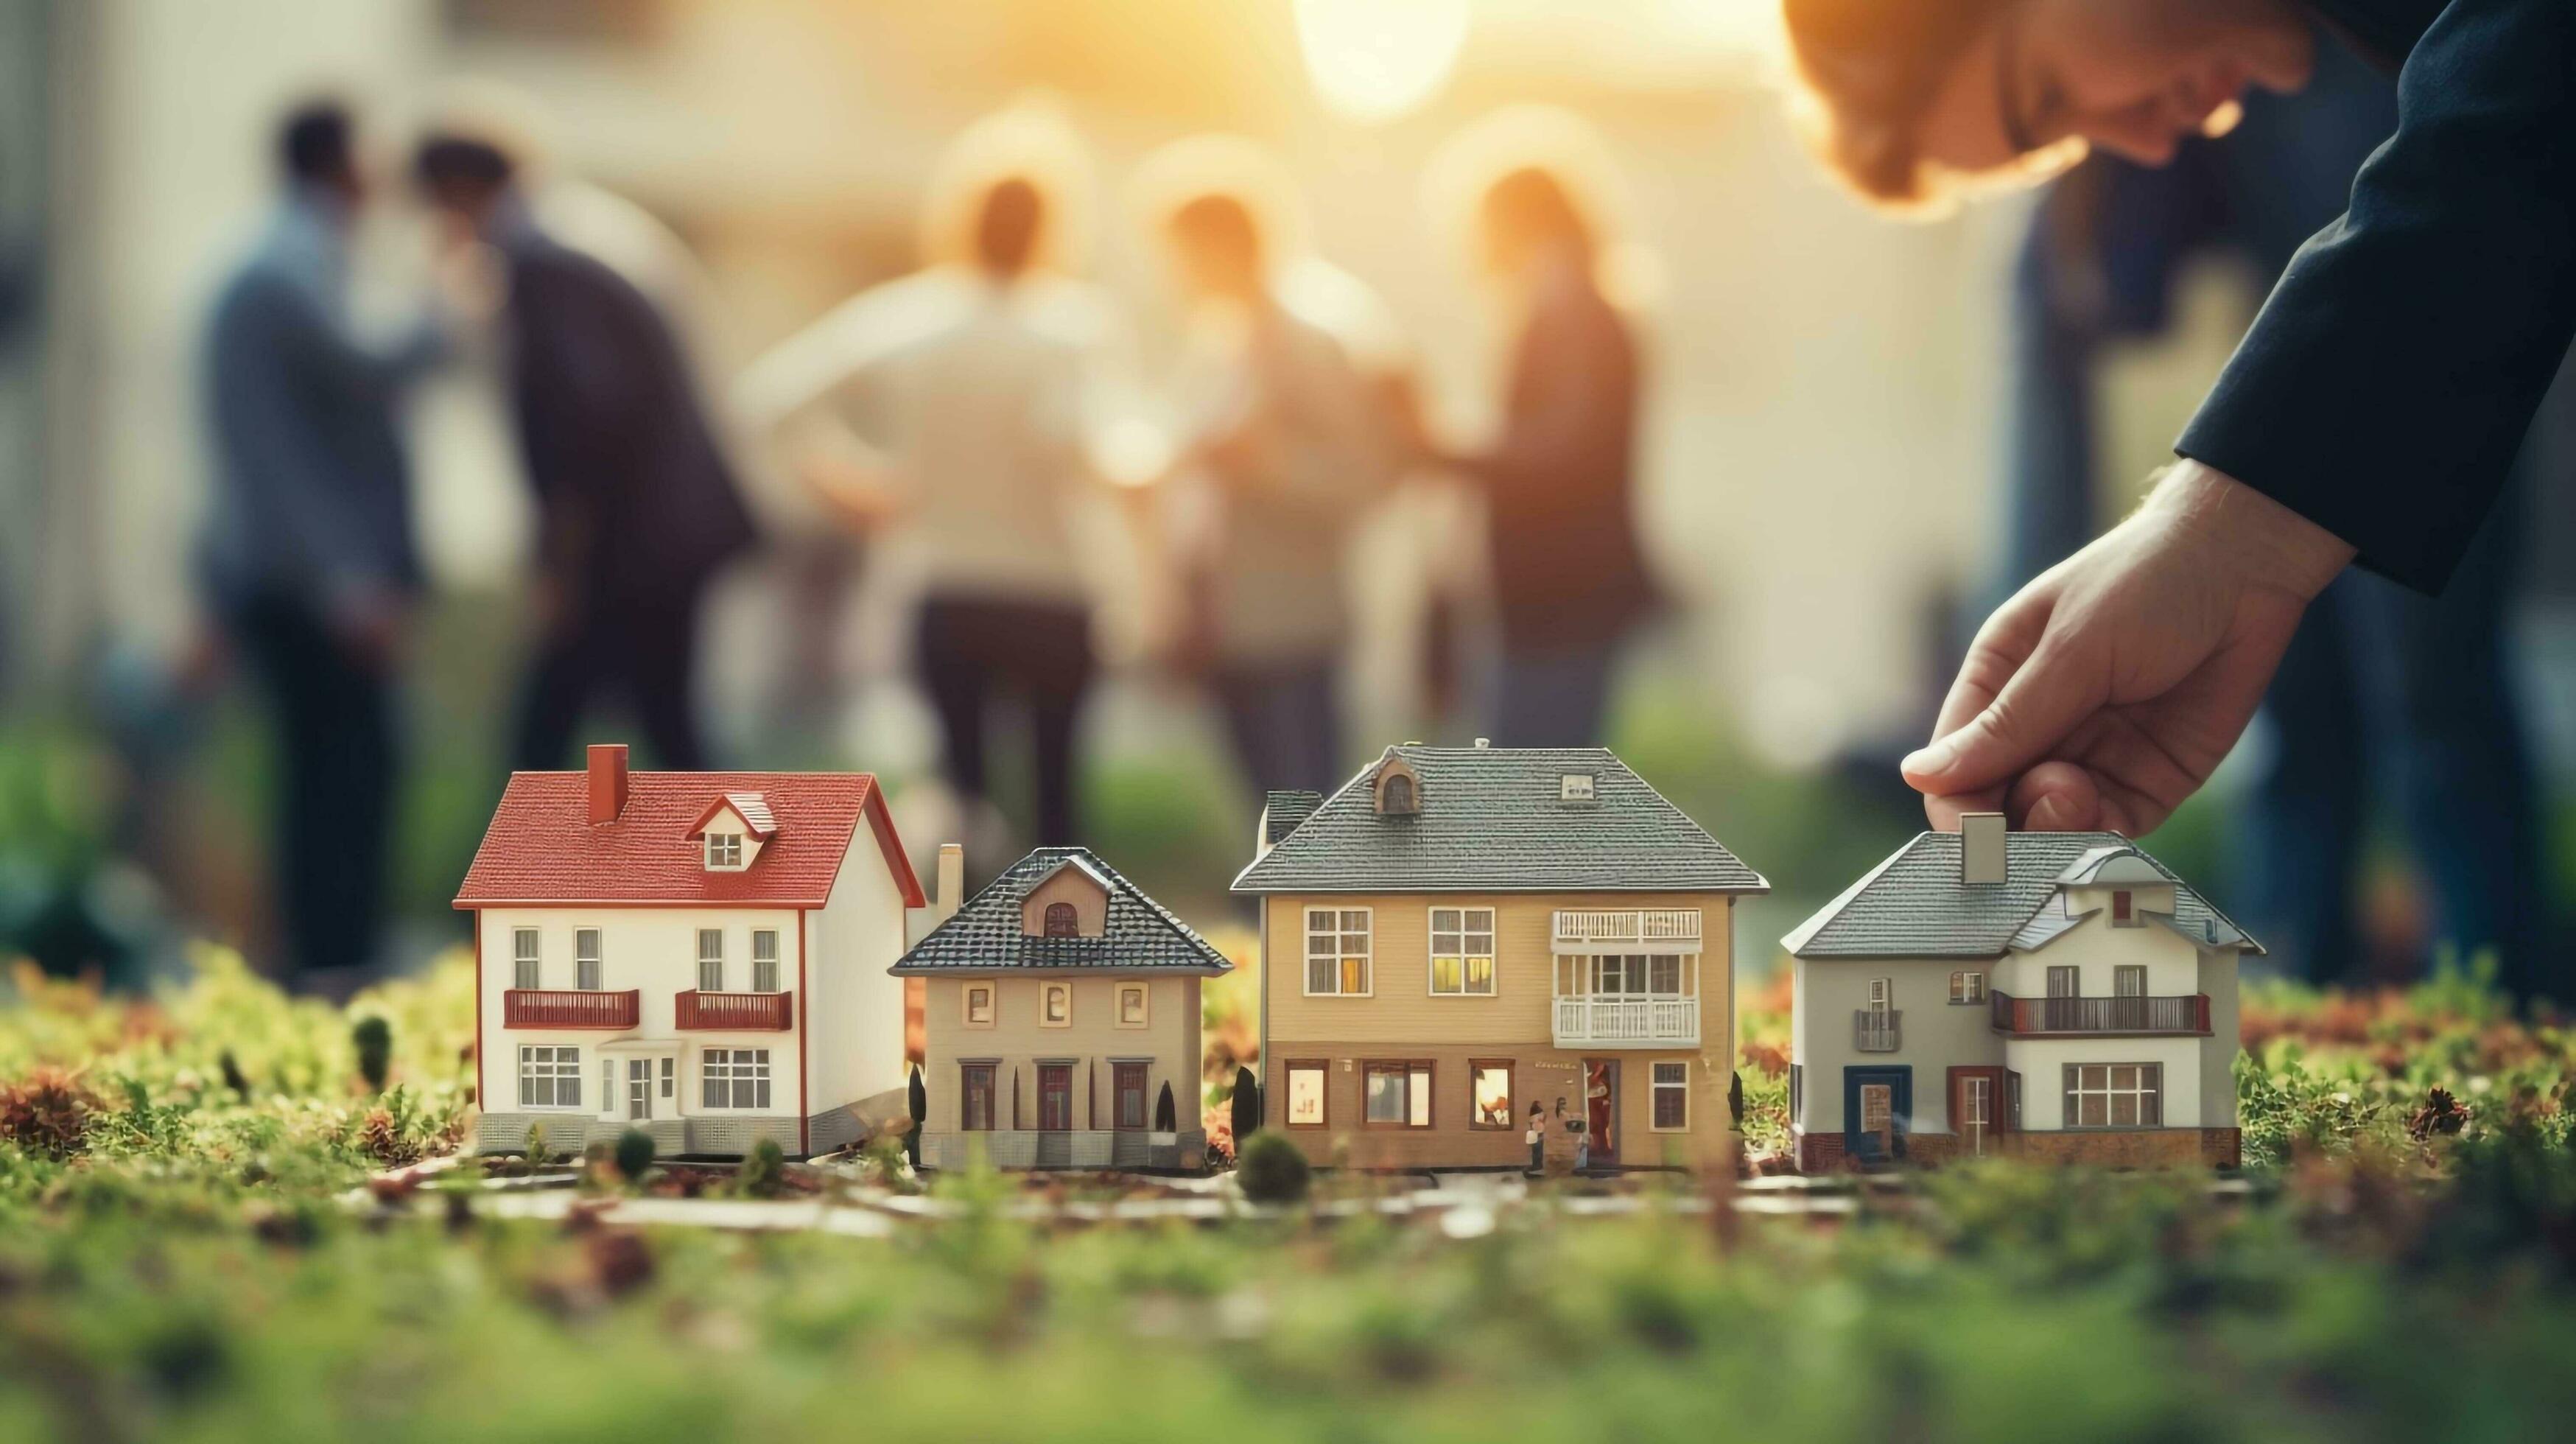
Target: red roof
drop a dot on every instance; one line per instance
(542, 847)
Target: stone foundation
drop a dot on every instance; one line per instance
(1089, 1148)
(712, 1137)
(2124, 1148)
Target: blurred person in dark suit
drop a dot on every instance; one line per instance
(981, 372)
(637, 508)
(1559, 481)
(308, 552)
(1284, 452)
(2380, 685)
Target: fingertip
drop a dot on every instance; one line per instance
(2057, 797)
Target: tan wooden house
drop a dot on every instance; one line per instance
(1460, 935)
(1060, 1006)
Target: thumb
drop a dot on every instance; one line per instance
(2030, 716)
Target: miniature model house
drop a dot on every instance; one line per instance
(2049, 994)
(1462, 933)
(1061, 1007)
(698, 954)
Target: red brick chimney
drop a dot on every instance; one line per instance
(607, 781)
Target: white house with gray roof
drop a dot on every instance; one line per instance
(2051, 994)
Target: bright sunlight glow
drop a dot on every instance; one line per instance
(1373, 60)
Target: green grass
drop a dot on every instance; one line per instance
(189, 1273)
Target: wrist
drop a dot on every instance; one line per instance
(2252, 535)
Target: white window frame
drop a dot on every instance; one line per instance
(764, 970)
(1048, 990)
(597, 962)
(724, 852)
(1338, 932)
(731, 1068)
(966, 1003)
(1576, 787)
(1462, 933)
(2150, 1084)
(1882, 994)
(1144, 997)
(527, 960)
(561, 1065)
(1967, 987)
(1655, 1086)
(711, 960)
(1288, 1092)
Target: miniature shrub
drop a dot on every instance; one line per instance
(536, 1145)
(634, 1153)
(1271, 1169)
(919, 1099)
(374, 1040)
(1166, 1117)
(47, 1112)
(764, 1170)
(1246, 1110)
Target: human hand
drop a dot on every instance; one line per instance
(2106, 691)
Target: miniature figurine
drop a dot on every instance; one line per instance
(1460, 932)
(2055, 995)
(701, 955)
(1060, 1020)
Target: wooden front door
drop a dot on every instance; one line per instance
(1055, 1097)
(1876, 1104)
(1976, 1108)
(1128, 1090)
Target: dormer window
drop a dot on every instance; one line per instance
(2124, 909)
(1063, 920)
(1399, 792)
(1574, 787)
(724, 852)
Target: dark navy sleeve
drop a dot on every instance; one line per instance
(2385, 388)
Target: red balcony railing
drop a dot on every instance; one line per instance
(2186, 1014)
(558, 1008)
(772, 1012)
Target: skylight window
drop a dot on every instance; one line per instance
(1574, 787)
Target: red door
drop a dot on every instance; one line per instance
(1976, 1108)
(1601, 1107)
(1055, 1096)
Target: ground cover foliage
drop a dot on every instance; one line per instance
(180, 1257)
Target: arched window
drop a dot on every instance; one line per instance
(1398, 794)
(1062, 921)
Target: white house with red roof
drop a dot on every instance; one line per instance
(701, 955)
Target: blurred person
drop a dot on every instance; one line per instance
(1282, 457)
(2372, 413)
(2379, 683)
(981, 369)
(636, 506)
(1559, 481)
(308, 553)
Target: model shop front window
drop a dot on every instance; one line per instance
(1305, 1095)
(1397, 1095)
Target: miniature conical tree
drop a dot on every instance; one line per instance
(1246, 1112)
(1165, 1118)
(919, 1099)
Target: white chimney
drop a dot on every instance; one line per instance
(951, 883)
(1981, 847)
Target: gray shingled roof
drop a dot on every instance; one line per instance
(1491, 821)
(1914, 906)
(1140, 935)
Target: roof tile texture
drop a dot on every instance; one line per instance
(1492, 819)
(543, 848)
(1138, 933)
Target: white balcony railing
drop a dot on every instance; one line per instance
(1648, 925)
(1594, 1022)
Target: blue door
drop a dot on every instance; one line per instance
(1878, 1105)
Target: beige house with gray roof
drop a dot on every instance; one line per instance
(2058, 995)
(1459, 934)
